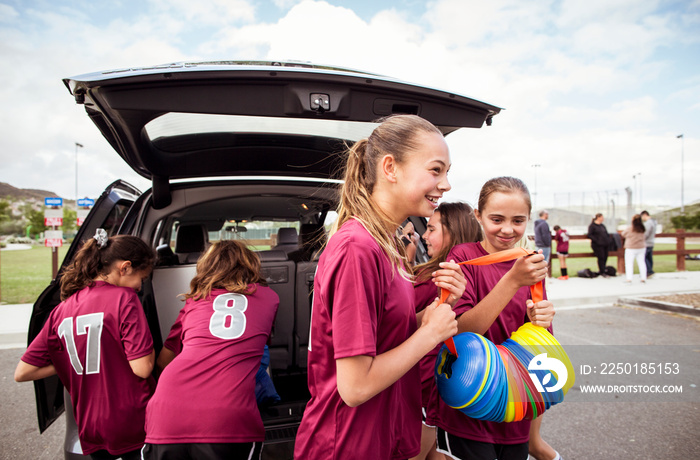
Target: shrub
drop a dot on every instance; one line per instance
(18, 240)
(686, 222)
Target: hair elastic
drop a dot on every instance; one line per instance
(101, 237)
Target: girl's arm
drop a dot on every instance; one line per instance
(360, 378)
(165, 357)
(143, 366)
(26, 372)
(525, 272)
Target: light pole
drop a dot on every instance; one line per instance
(76, 174)
(641, 206)
(680, 136)
(535, 193)
(634, 192)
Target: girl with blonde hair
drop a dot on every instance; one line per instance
(364, 341)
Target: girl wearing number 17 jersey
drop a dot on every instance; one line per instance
(204, 405)
(98, 342)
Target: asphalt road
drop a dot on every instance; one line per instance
(582, 427)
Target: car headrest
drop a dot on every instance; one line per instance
(272, 256)
(165, 255)
(191, 238)
(287, 235)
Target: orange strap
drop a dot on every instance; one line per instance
(536, 290)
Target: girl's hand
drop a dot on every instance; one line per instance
(450, 277)
(439, 322)
(410, 239)
(528, 270)
(540, 313)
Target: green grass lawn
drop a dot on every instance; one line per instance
(25, 273)
(662, 264)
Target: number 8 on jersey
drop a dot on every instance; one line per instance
(228, 321)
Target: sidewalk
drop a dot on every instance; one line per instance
(569, 294)
(576, 292)
(14, 322)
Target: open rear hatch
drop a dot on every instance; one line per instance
(189, 120)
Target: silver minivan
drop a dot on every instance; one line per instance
(236, 150)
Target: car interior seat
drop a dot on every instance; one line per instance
(287, 240)
(190, 242)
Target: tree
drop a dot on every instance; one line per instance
(35, 220)
(5, 211)
(70, 217)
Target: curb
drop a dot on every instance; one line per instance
(659, 305)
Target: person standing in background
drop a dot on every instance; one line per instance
(600, 241)
(649, 235)
(562, 238)
(543, 236)
(635, 248)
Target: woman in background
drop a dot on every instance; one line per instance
(600, 242)
(635, 249)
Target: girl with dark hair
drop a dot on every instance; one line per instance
(98, 342)
(204, 405)
(364, 340)
(635, 249)
(451, 224)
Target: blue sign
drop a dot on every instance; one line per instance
(53, 201)
(86, 202)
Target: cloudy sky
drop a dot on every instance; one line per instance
(595, 92)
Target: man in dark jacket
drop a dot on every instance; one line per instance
(543, 236)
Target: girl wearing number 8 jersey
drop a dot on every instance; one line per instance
(204, 405)
(98, 342)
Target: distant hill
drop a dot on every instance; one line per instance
(10, 193)
(664, 217)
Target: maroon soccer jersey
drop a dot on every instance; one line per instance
(562, 239)
(425, 293)
(480, 281)
(362, 306)
(207, 393)
(90, 339)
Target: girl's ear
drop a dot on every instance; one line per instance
(477, 214)
(388, 167)
(125, 267)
